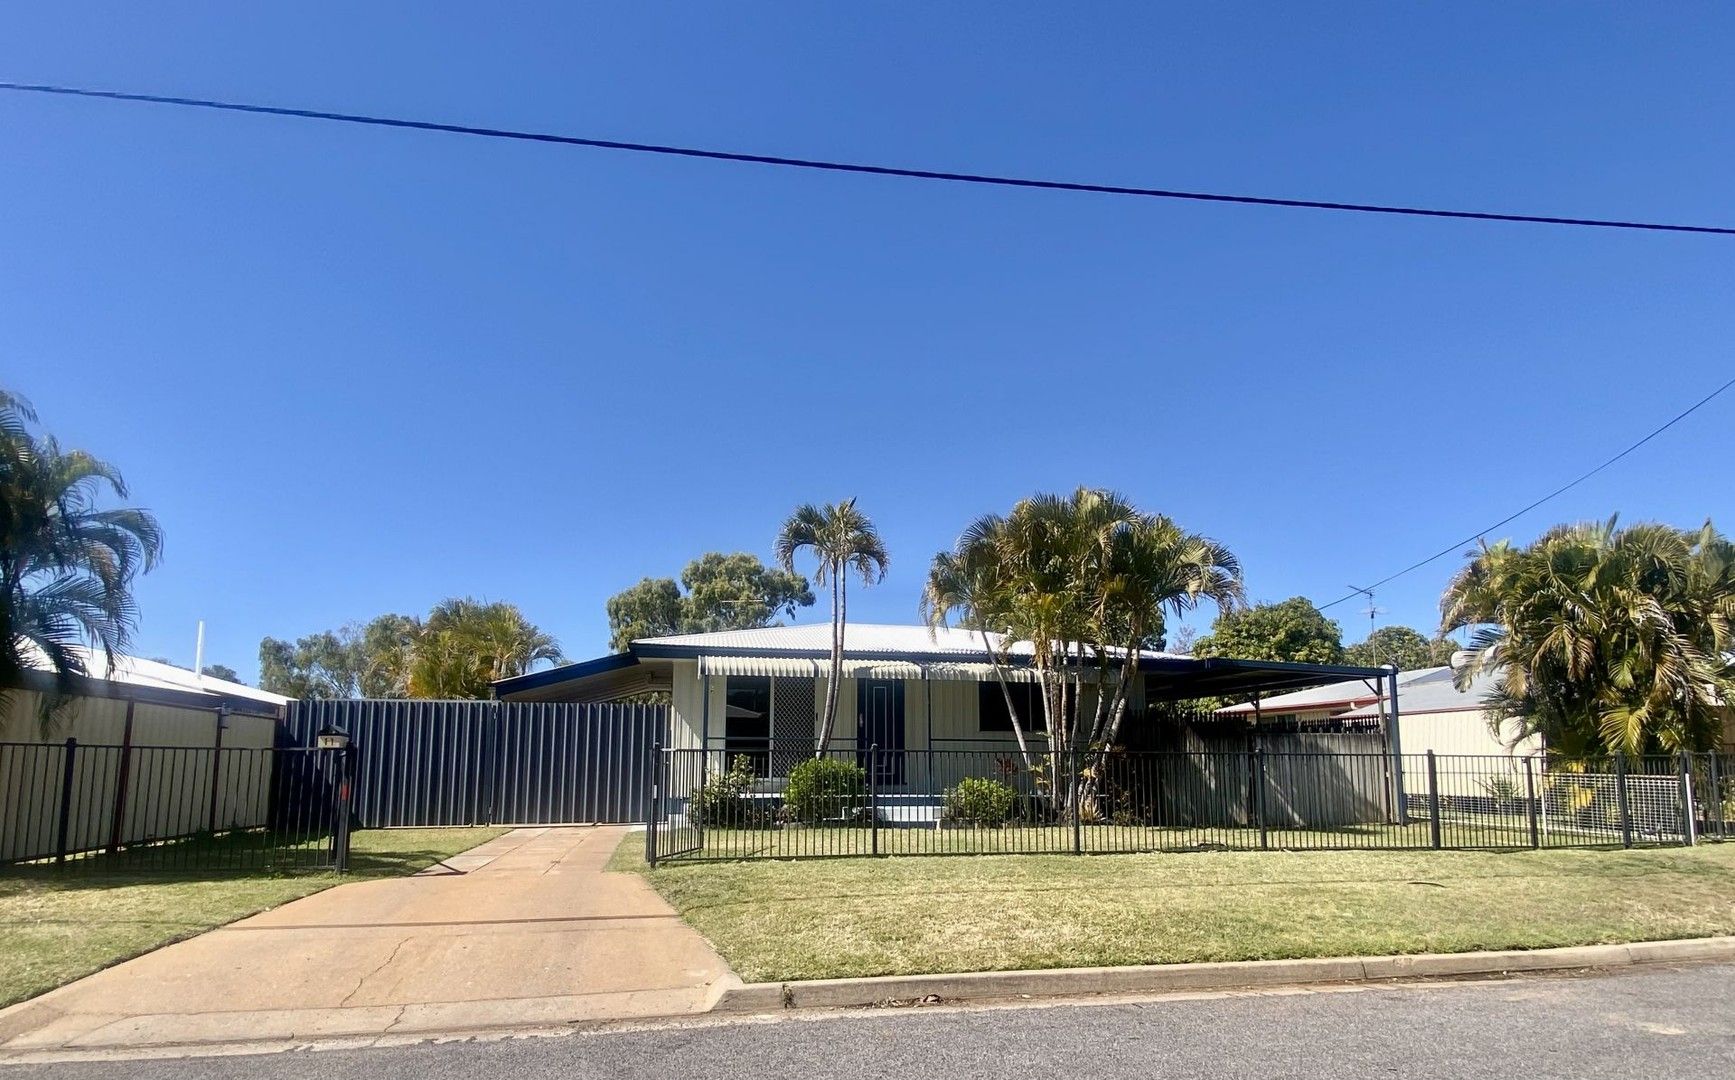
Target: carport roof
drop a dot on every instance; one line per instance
(939, 653)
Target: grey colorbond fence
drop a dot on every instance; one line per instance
(433, 763)
(1251, 800)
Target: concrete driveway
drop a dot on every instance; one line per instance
(527, 929)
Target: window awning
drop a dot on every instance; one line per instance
(796, 667)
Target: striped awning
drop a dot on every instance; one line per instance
(795, 667)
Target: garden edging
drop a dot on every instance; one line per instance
(1228, 975)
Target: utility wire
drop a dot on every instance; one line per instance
(850, 167)
(1459, 546)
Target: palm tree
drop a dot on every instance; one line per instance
(66, 566)
(1086, 579)
(1600, 638)
(465, 646)
(841, 539)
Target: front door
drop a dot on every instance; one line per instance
(879, 721)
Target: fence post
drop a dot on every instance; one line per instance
(345, 792)
(1689, 815)
(1433, 803)
(653, 803)
(1259, 798)
(873, 795)
(1621, 799)
(63, 833)
(1530, 801)
(1075, 797)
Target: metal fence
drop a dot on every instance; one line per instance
(434, 763)
(715, 804)
(121, 808)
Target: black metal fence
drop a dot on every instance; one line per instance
(710, 804)
(119, 808)
(434, 763)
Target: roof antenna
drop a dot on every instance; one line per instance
(1372, 613)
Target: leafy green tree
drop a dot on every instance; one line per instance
(841, 539)
(1402, 646)
(222, 671)
(1293, 630)
(66, 565)
(323, 665)
(1600, 638)
(724, 592)
(1086, 580)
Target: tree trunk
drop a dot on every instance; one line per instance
(830, 720)
(1006, 692)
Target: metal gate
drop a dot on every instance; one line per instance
(430, 763)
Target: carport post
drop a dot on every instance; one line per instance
(1689, 817)
(1530, 800)
(1433, 804)
(1395, 744)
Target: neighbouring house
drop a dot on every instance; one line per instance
(917, 706)
(134, 753)
(1433, 714)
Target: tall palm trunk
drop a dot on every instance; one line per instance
(836, 676)
(1006, 692)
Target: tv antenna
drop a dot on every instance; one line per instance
(1372, 613)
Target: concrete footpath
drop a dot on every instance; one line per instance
(525, 930)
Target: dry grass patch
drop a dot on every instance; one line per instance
(826, 918)
(58, 927)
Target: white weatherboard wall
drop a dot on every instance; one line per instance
(162, 800)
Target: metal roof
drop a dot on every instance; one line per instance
(1352, 693)
(137, 672)
(901, 651)
(1433, 695)
(872, 640)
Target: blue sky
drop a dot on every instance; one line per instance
(356, 370)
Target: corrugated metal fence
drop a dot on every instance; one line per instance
(425, 763)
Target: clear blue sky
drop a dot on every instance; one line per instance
(357, 371)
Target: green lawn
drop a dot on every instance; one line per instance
(822, 918)
(58, 927)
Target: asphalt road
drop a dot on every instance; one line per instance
(1676, 1023)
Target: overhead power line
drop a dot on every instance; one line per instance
(854, 167)
(1508, 519)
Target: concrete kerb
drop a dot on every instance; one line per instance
(1162, 978)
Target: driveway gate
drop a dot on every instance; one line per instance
(429, 763)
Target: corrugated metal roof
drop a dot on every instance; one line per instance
(1355, 692)
(136, 671)
(1434, 695)
(866, 639)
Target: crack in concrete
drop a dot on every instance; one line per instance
(370, 974)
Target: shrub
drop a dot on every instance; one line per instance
(821, 788)
(726, 799)
(989, 803)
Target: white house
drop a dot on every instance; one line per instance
(904, 688)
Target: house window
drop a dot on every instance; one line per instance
(747, 721)
(1026, 698)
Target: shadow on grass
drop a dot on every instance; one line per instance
(225, 857)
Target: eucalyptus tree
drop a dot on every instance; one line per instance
(841, 539)
(66, 564)
(1600, 638)
(1086, 580)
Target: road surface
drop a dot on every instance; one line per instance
(1677, 1022)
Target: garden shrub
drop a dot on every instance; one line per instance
(727, 799)
(989, 803)
(822, 788)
